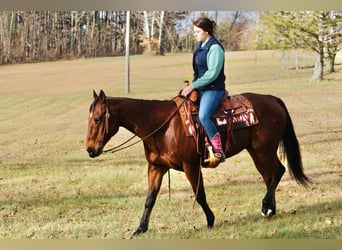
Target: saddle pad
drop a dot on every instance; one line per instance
(237, 107)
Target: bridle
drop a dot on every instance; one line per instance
(107, 115)
(121, 146)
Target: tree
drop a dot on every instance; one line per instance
(334, 38)
(234, 31)
(319, 31)
(152, 40)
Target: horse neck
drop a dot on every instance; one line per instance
(141, 117)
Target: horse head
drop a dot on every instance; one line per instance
(100, 128)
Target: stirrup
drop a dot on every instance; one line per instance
(214, 159)
(220, 156)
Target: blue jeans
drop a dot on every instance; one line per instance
(209, 100)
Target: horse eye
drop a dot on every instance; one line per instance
(97, 119)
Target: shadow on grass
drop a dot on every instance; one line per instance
(316, 221)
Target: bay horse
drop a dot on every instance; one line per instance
(158, 124)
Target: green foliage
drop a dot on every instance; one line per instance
(318, 31)
(298, 29)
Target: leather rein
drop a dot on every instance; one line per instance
(121, 146)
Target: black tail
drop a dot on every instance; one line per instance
(292, 150)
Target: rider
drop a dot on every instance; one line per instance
(209, 78)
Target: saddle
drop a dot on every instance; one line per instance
(233, 113)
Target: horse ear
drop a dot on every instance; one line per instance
(95, 95)
(102, 95)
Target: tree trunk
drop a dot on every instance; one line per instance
(332, 63)
(318, 70)
(147, 32)
(3, 37)
(152, 25)
(128, 26)
(161, 52)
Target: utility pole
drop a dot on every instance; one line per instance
(127, 51)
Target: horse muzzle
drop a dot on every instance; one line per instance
(94, 152)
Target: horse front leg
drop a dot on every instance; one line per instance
(194, 175)
(155, 177)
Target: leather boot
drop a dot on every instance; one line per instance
(217, 147)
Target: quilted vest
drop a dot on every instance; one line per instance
(200, 65)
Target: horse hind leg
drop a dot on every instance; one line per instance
(269, 202)
(272, 171)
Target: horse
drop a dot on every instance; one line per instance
(158, 124)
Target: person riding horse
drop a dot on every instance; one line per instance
(209, 79)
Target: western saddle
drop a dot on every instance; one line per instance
(234, 112)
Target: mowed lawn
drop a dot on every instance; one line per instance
(50, 188)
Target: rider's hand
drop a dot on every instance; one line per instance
(187, 90)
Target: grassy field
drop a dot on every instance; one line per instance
(50, 188)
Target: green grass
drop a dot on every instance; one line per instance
(50, 188)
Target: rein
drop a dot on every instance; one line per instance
(121, 146)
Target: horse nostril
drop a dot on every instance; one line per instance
(90, 152)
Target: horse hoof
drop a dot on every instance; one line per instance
(268, 214)
(138, 232)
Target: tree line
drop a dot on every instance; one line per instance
(30, 36)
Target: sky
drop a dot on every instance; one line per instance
(184, 27)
